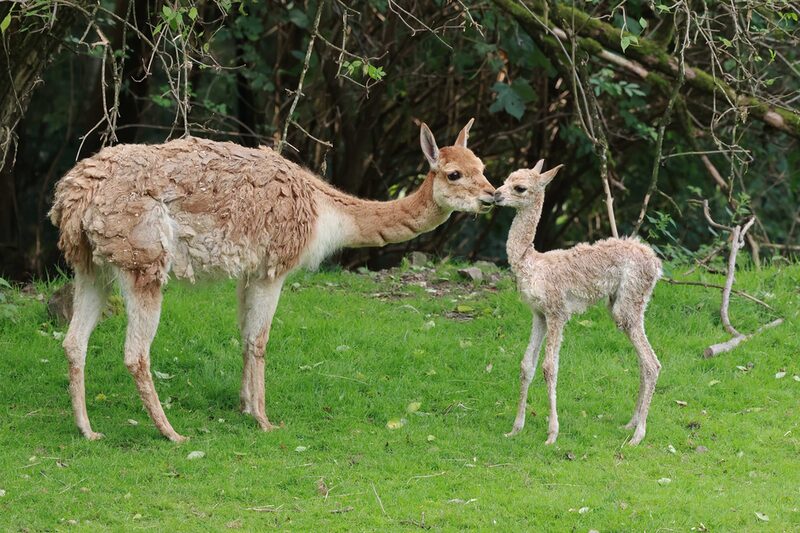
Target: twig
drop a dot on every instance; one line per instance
(65, 489)
(379, 500)
(702, 262)
(265, 509)
(662, 126)
(320, 141)
(711, 221)
(737, 292)
(299, 90)
(414, 478)
(421, 524)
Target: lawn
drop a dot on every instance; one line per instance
(395, 397)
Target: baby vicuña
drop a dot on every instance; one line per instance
(560, 283)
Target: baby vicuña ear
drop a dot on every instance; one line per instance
(550, 174)
(463, 135)
(428, 144)
(539, 165)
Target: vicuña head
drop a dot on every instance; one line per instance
(458, 180)
(524, 186)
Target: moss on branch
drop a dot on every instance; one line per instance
(596, 37)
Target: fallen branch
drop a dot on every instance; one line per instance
(738, 233)
(716, 349)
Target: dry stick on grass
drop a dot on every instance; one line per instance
(738, 233)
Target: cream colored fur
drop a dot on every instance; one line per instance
(561, 283)
(196, 208)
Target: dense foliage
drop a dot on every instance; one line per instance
(673, 102)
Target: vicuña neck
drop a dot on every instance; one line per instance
(522, 232)
(380, 223)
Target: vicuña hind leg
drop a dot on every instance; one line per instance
(143, 306)
(555, 328)
(90, 296)
(527, 370)
(649, 369)
(258, 300)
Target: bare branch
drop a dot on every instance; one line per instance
(299, 90)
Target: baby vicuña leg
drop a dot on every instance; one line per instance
(555, 328)
(649, 369)
(528, 369)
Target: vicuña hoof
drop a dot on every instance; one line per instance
(266, 425)
(635, 440)
(93, 435)
(177, 438)
(513, 432)
(551, 440)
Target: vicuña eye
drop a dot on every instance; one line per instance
(520, 189)
(453, 176)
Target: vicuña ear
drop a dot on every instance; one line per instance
(550, 174)
(463, 135)
(428, 144)
(539, 165)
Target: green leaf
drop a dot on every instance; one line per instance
(643, 22)
(508, 100)
(193, 13)
(5, 24)
(4, 283)
(167, 11)
(524, 90)
(376, 73)
(298, 18)
(628, 40)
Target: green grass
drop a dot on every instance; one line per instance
(342, 362)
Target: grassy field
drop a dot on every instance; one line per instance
(395, 397)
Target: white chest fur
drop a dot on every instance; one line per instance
(331, 232)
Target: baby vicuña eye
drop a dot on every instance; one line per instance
(453, 176)
(520, 189)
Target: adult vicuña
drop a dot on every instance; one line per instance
(200, 208)
(560, 283)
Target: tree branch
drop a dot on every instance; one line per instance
(596, 36)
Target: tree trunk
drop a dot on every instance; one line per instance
(22, 60)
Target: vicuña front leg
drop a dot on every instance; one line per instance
(555, 328)
(527, 370)
(143, 306)
(258, 301)
(89, 300)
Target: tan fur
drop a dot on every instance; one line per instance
(560, 283)
(204, 209)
